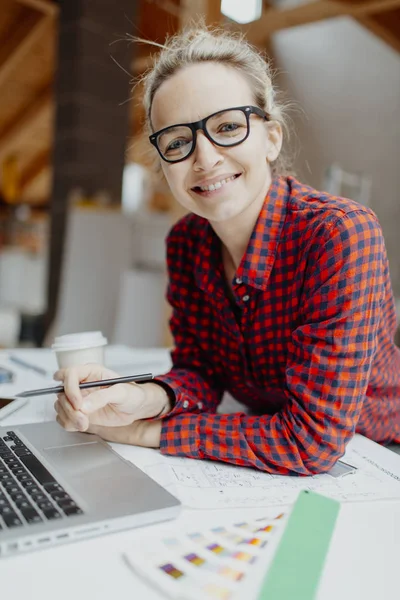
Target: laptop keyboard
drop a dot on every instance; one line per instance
(29, 494)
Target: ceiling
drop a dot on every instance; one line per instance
(28, 42)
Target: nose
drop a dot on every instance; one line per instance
(206, 154)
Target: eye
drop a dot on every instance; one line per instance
(229, 127)
(176, 145)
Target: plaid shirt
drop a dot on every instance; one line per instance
(306, 344)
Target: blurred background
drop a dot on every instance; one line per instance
(83, 217)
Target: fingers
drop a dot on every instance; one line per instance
(73, 376)
(67, 417)
(118, 395)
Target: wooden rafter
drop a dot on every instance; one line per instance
(167, 6)
(35, 168)
(210, 10)
(42, 6)
(274, 19)
(18, 130)
(20, 43)
(380, 31)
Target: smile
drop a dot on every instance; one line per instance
(215, 186)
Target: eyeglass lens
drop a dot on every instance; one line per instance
(226, 128)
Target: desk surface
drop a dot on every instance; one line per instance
(362, 563)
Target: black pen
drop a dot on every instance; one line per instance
(142, 378)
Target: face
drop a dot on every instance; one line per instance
(243, 171)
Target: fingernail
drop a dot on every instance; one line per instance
(81, 424)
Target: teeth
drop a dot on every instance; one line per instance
(217, 185)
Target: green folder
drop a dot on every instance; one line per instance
(298, 561)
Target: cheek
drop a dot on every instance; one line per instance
(175, 177)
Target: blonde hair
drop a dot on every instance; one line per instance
(199, 44)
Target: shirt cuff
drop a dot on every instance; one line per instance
(181, 401)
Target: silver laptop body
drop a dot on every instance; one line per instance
(57, 487)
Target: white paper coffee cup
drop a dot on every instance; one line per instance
(79, 348)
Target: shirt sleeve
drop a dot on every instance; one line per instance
(193, 384)
(327, 370)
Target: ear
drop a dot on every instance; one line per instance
(275, 138)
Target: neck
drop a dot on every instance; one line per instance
(235, 233)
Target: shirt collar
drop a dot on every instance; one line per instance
(257, 262)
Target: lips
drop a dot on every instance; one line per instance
(214, 184)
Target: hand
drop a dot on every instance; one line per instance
(114, 406)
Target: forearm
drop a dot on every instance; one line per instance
(140, 433)
(284, 443)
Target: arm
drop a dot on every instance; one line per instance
(327, 370)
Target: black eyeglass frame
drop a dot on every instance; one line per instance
(195, 126)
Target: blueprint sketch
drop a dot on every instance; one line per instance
(208, 484)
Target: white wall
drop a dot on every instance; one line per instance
(347, 83)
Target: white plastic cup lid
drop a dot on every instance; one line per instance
(78, 341)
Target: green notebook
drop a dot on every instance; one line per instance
(299, 559)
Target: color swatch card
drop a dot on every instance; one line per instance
(207, 565)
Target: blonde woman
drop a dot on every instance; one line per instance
(280, 293)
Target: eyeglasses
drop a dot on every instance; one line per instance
(226, 128)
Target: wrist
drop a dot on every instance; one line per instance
(156, 399)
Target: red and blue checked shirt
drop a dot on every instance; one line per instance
(306, 344)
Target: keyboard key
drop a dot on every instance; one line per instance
(22, 504)
(51, 513)
(46, 504)
(73, 510)
(28, 483)
(11, 461)
(60, 496)
(12, 520)
(7, 510)
(31, 515)
(37, 496)
(33, 489)
(18, 471)
(53, 487)
(37, 469)
(18, 496)
(25, 477)
(21, 451)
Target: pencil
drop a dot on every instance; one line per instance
(142, 378)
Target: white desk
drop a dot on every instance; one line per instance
(362, 564)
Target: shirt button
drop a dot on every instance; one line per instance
(200, 405)
(246, 298)
(185, 404)
(238, 280)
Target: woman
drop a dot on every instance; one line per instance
(280, 294)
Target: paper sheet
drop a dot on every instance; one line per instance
(220, 563)
(120, 358)
(209, 484)
(39, 408)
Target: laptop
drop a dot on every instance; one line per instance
(57, 487)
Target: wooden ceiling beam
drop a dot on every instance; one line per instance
(380, 31)
(35, 168)
(192, 10)
(20, 42)
(274, 19)
(16, 132)
(167, 6)
(42, 6)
